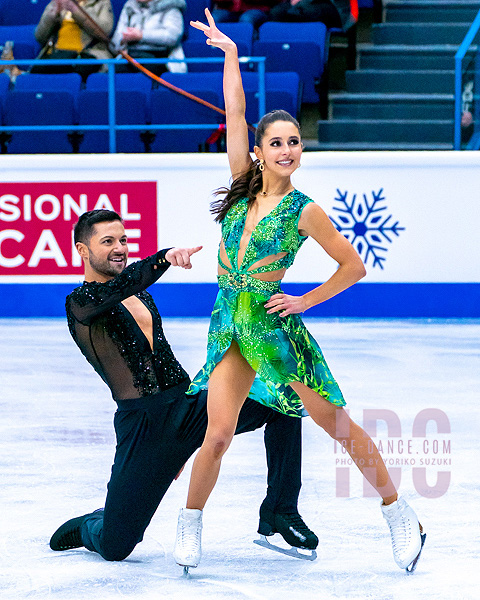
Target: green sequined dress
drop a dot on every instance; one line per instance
(279, 349)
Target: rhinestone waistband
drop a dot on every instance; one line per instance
(242, 282)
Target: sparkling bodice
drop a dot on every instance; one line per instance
(276, 233)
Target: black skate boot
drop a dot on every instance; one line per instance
(68, 535)
(290, 526)
(293, 530)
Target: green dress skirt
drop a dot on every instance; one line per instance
(279, 349)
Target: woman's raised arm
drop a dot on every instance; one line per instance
(237, 130)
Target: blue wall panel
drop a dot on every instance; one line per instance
(370, 300)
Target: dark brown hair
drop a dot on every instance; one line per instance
(84, 228)
(249, 183)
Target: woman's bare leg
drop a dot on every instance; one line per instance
(228, 387)
(336, 422)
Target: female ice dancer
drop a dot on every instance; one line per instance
(258, 345)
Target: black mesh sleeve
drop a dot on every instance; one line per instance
(92, 298)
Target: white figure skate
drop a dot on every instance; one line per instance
(406, 533)
(188, 544)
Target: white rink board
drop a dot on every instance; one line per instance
(432, 195)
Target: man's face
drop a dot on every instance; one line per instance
(107, 251)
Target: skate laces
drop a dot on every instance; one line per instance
(400, 530)
(400, 525)
(189, 534)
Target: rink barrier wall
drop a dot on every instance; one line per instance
(369, 300)
(410, 216)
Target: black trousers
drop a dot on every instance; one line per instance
(156, 435)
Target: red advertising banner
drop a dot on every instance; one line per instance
(37, 220)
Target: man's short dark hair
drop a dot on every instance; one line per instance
(84, 228)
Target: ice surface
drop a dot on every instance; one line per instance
(57, 444)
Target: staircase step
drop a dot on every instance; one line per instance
(375, 130)
(401, 97)
(446, 11)
(392, 106)
(419, 33)
(424, 58)
(372, 80)
(315, 146)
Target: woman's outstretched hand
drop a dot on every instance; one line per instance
(215, 36)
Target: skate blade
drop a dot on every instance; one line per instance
(186, 569)
(293, 552)
(413, 565)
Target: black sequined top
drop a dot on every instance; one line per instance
(110, 338)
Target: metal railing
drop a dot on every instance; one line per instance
(459, 56)
(112, 127)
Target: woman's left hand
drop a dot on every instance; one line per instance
(289, 305)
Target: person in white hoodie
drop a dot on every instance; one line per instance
(152, 29)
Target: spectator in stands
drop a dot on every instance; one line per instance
(65, 32)
(334, 13)
(468, 98)
(243, 11)
(152, 29)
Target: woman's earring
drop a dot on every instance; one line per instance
(261, 166)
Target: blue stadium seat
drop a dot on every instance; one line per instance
(21, 12)
(286, 47)
(171, 108)
(123, 82)
(212, 81)
(25, 45)
(196, 47)
(295, 32)
(42, 100)
(39, 108)
(130, 109)
(4, 85)
(238, 32)
(282, 91)
(24, 51)
(4, 137)
(195, 12)
(61, 82)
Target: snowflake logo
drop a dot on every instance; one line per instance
(365, 225)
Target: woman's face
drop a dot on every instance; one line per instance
(281, 148)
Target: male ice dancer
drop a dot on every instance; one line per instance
(117, 327)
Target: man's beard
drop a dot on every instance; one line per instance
(106, 267)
